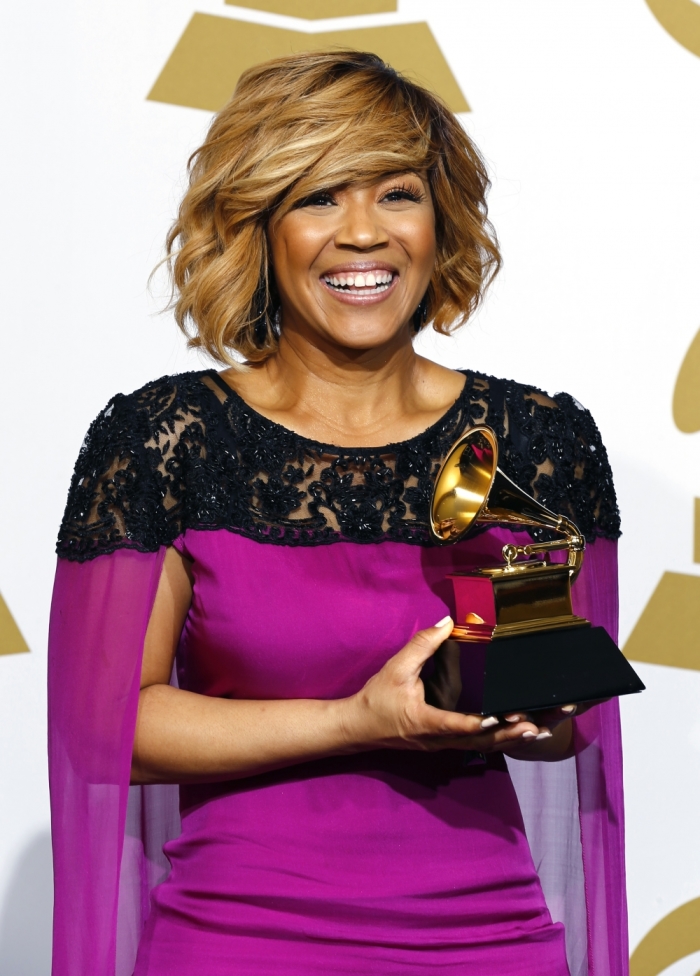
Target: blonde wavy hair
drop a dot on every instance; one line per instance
(296, 125)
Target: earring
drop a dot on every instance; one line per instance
(266, 321)
(261, 332)
(261, 328)
(420, 316)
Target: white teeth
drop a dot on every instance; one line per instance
(374, 281)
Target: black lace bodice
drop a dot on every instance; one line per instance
(187, 452)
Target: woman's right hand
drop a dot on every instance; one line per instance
(391, 712)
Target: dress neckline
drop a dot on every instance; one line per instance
(334, 448)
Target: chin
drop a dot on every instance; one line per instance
(360, 337)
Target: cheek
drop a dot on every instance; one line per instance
(418, 237)
(295, 244)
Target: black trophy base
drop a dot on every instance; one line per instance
(533, 671)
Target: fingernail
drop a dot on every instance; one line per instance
(569, 709)
(528, 735)
(441, 623)
(544, 735)
(512, 718)
(489, 722)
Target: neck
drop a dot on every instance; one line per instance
(357, 393)
(347, 396)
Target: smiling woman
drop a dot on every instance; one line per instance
(243, 618)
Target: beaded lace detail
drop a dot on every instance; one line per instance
(186, 451)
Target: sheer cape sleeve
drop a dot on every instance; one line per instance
(573, 810)
(98, 623)
(107, 842)
(183, 453)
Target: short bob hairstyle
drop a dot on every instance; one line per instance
(296, 125)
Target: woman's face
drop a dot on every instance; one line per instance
(352, 263)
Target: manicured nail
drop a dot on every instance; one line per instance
(544, 735)
(441, 623)
(528, 735)
(489, 722)
(568, 709)
(512, 718)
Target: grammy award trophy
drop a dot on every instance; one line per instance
(516, 643)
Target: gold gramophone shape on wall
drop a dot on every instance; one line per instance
(516, 643)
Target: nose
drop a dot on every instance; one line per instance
(360, 227)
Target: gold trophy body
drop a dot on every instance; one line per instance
(516, 642)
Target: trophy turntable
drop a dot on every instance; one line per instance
(516, 644)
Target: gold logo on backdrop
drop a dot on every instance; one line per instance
(214, 51)
(673, 938)
(686, 396)
(11, 640)
(319, 9)
(668, 631)
(681, 18)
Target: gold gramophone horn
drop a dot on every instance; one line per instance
(471, 490)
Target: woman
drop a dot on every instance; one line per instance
(224, 529)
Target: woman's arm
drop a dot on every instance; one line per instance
(185, 737)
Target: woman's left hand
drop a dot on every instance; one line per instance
(556, 745)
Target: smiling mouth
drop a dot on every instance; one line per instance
(365, 283)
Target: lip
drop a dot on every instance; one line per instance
(361, 266)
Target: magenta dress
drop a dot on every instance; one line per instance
(311, 568)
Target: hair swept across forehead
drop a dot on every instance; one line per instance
(296, 125)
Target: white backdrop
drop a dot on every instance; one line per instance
(587, 112)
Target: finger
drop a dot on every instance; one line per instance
(423, 645)
(550, 717)
(441, 722)
(526, 731)
(459, 724)
(486, 741)
(544, 733)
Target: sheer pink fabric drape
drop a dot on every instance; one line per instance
(99, 617)
(573, 810)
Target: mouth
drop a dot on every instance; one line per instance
(360, 284)
(363, 285)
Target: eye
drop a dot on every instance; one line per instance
(404, 192)
(323, 198)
